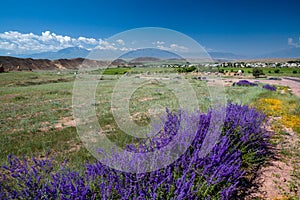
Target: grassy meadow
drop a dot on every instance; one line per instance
(36, 112)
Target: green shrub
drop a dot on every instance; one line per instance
(257, 72)
(276, 71)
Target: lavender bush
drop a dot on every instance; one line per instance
(242, 145)
(269, 87)
(245, 83)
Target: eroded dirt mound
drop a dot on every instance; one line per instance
(19, 64)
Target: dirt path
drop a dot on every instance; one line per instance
(292, 82)
(278, 178)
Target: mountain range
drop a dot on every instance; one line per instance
(67, 53)
(292, 52)
(78, 52)
(72, 58)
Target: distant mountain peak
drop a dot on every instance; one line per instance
(292, 52)
(68, 53)
(225, 55)
(150, 53)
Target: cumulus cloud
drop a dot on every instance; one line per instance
(106, 47)
(176, 47)
(27, 43)
(159, 43)
(120, 41)
(85, 40)
(19, 43)
(162, 47)
(171, 47)
(293, 43)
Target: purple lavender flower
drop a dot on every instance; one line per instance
(269, 87)
(245, 83)
(242, 146)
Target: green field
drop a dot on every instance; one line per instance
(132, 70)
(36, 109)
(32, 104)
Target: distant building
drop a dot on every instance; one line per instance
(239, 73)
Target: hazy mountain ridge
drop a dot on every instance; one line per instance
(225, 55)
(71, 58)
(78, 52)
(292, 52)
(68, 53)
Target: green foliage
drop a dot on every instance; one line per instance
(186, 69)
(221, 71)
(116, 71)
(257, 72)
(276, 71)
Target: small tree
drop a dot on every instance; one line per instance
(1, 69)
(257, 72)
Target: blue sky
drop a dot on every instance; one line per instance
(241, 27)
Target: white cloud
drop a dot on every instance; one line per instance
(120, 41)
(27, 43)
(91, 41)
(292, 43)
(171, 47)
(110, 47)
(127, 49)
(177, 47)
(32, 43)
(47, 41)
(103, 42)
(158, 43)
(105, 45)
(7, 45)
(163, 47)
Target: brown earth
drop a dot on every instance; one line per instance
(275, 178)
(8, 63)
(61, 124)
